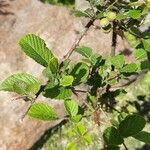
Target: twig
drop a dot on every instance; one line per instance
(88, 25)
(125, 146)
(114, 39)
(33, 101)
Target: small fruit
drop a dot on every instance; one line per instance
(111, 16)
(104, 22)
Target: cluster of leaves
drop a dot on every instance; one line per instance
(101, 75)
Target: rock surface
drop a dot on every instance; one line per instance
(59, 29)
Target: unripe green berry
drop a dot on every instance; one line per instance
(104, 22)
(111, 16)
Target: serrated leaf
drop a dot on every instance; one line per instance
(118, 61)
(80, 73)
(71, 107)
(42, 111)
(143, 136)
(53, 65)
(21, 83)
(36, 48)
(66, 81)
(81, 129)
(95, 59)
(84, 51)
(112, 136)
(130, 68)
(131, 125)
(139, 54)
(146, 44)
(57, 92)
(87, 53)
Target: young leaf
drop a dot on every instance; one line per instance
(71, 107)
(21, 83)
(57, 92)
(81, 129)
(130, 68)
(36, 48)
(42, 111)
(53, 65)
(66, 81)
(131, 125)
(80, 73)
(139, 54)
(118, 61)
(143, 136)
(112, 136)
(146, 44)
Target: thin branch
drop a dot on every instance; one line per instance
(114, 39)
(33, 100)
(125, 146)
(88, 25)
(128, 81)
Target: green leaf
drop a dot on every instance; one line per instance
(130, 68)
(145, 65)
(131, 125)
(36, 48)
(79, 13)
(81, 129)
(112, 136)
(139, 54)
(146, 44)
(132, 40)
(71, 146)
(21, 83)
(135, 14)
(118, 61)
(143, 136)
(80, 73)
(87, 53)
(84, 51)
(57, 92)
(53, 65)
(71, 107)
(66, 81)
(42, 111)
(87, 138)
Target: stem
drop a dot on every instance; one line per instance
(33, 101)
(88, 25)
(125, 146)
(114, 39)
